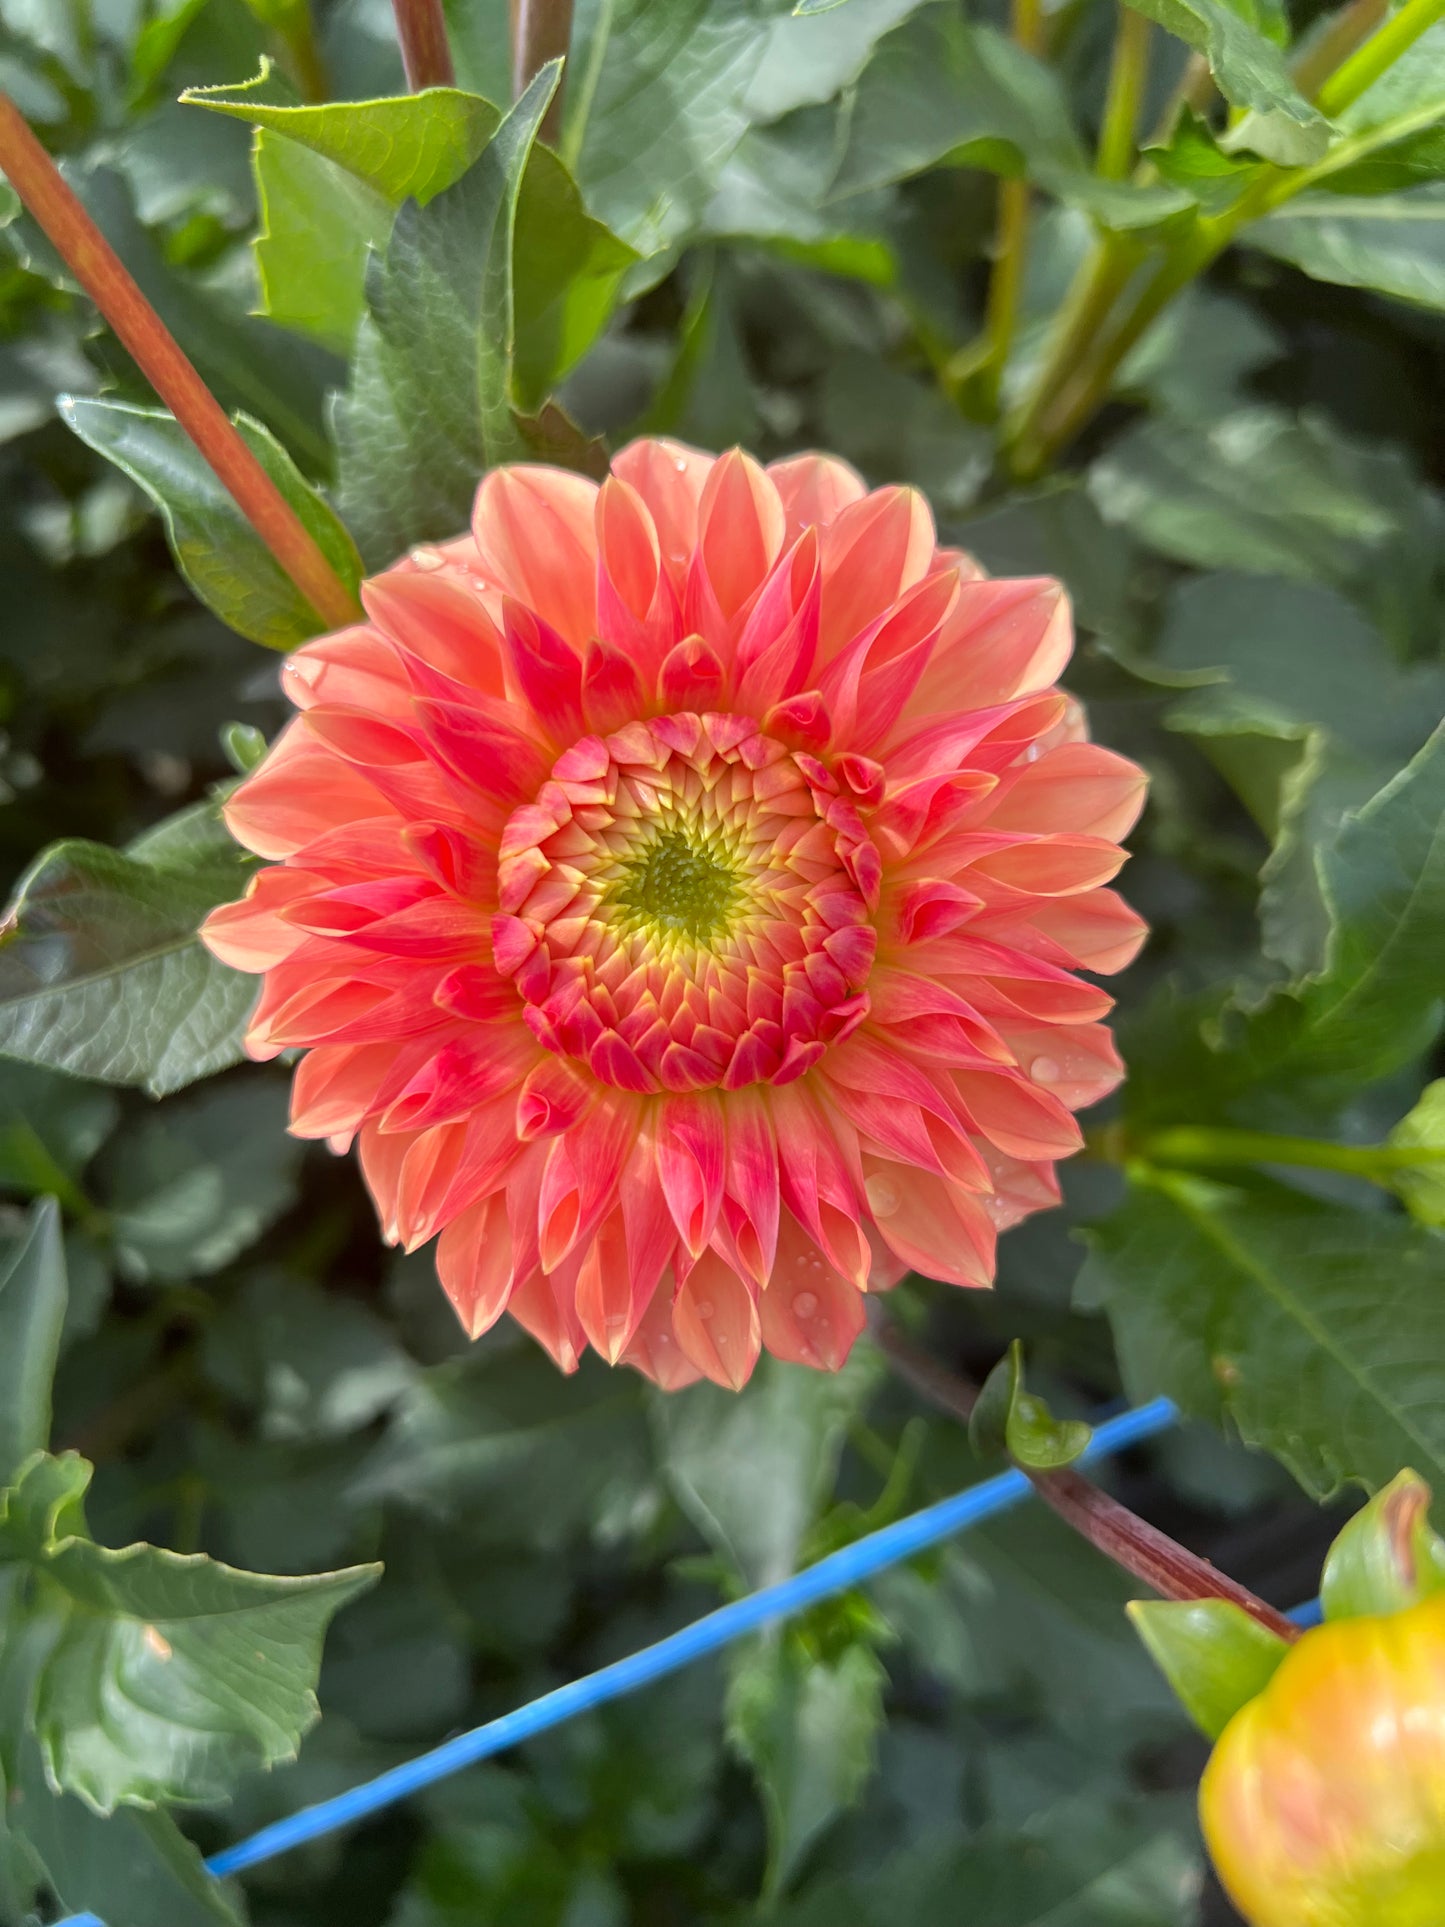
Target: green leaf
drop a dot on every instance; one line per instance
(1393, 243)
(430, 402)
(318, 224)
(1212, 1652)
(1422, 1186)
(407, 147)
(331, 177)
(1284, 1316)
(1261, 491)
(1193, 160)
(1011, 1419)
(217, 550)
(807, 1727)
(656, 102)
(101, 971)
(32, 1317)
(1377, 1001)
(1387, 1558)
(752, 1472)
(1250, 72)
(166, 1677)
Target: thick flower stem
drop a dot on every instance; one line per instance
(1131, 1542)
(1190, 1146)
(97, 268)
(1378, 54)
(541, 31)
(426, 57)
(1128, 77)
(1335, 43)
(1010, 254)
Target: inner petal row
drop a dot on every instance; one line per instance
(686, 904)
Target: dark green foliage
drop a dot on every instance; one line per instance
(774, 225)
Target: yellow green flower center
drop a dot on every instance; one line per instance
(682, 882)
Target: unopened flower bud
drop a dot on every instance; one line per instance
(1324, 1802)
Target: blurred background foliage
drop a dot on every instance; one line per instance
(777, 230)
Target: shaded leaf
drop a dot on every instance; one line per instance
(940, 91)
(807, 1727)
(1393, 243)
(1258, 490)
(196, 1182)
(216, 548)
(101, 971)
(32, 1318)
(752, 1472)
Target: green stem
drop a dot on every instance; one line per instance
(1335, 42)
(298, 31)
(1128, 77)
(1097, 285)
(984, 363)
(1202, 1144)
(1379, 53)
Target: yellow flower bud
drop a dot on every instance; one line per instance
(1324, 1802)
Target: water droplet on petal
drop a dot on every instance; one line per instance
(1033, 752)
(805, 1304)
(883, 1196)
(680, 464)
(705, 1308)
(428, 556)
(1045, 1070)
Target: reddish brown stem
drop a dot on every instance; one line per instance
(541, 31)
(1131, 1542)
(425, 55)
(98, 269)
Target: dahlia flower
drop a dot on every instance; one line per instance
(1323, 1803)
(677, 889)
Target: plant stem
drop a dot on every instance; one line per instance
(1339, 38)
(1379, 53)
(1191, 1145)
(541, 31)
(1131, 1542)
(1097, 285)
(1128, 77)
(298, 30)
(426, 57)
(981, 365)
(98, 269)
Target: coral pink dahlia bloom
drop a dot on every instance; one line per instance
(677, 887)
